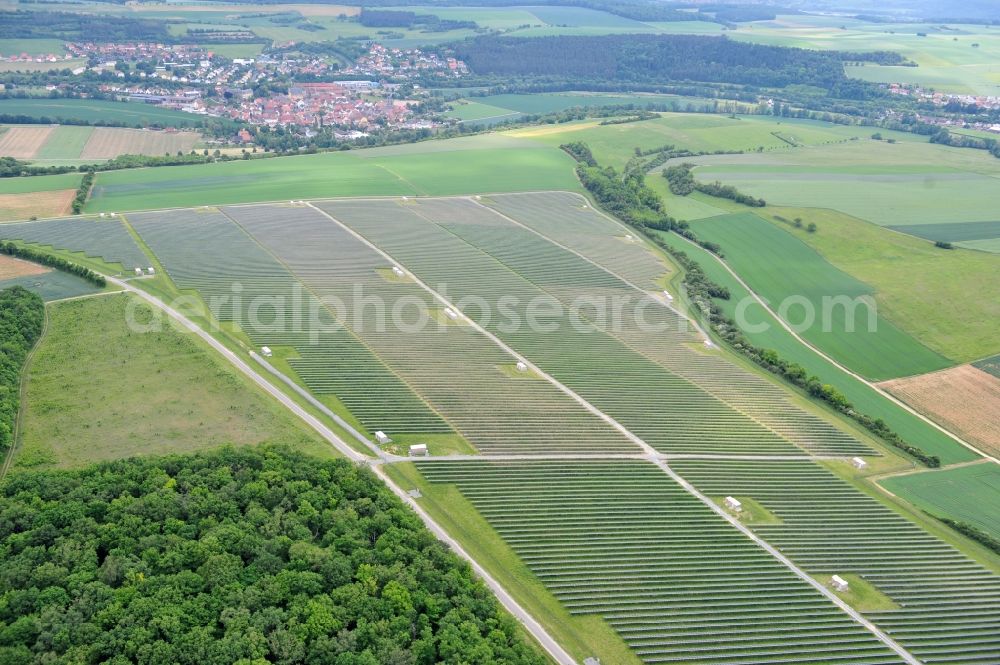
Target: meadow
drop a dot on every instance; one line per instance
(963, 493)
(458, 166)
(783, 270)
(866, 399)
(161, 392)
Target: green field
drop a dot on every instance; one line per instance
(790, 274)
(458, 166)
(160, 392)
(52, 285)
(865, 399)
(32, 47)
(44, 183)
(65, 143)
(968, 494)
(94, 110)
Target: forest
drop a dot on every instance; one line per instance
(74, 27)
(247, 556)
(641, 59)
(22, 317)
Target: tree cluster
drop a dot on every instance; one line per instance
(248, 556)
(682, 182)
(83, 192)
(36, 256)
(381, 18)
(646, 59)
(69, 26)
(22, 317)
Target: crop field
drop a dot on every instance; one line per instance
(11, 267)
(457, 166)
(23, 142)
(773, 336)
(107, 142)
(966, 493)
(964, 399)
(161, 392)
(765, 257)
(904, 186)
(107, 239)
(949, 605)
(989, 365)
(701, 132)
(510, 106)
(65, 142)
(482, 256)
(623, 541)
(41, 196)
(94, 110)
(52, 285)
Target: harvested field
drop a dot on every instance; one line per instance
(11, 268)
(109, 142)
(964, 399)
(23, 142)
(35, 204)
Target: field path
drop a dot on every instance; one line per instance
(817, 351)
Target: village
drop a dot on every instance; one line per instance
(196, 80)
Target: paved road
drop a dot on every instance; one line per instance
(530, 623)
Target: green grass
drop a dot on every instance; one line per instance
(32, 47)
(967, 493)
(65, 142)
(93, 110)
(866, 399)
(44, 183)
(161, 392)
(582, 635)
(788, 273)
(479, 164)
(949, 300)
(53, 285)
(864, 596)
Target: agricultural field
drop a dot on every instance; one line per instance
(904, 186)
(964, 399)
(966, 493)
(43, 196)
(23, 142)
(11, 267)
(52, 285)
(60, 144)
(104, 239)
(160, 392)
(805, 290)
(468, 165)
(95, 110)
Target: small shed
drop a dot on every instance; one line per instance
(150, 270)
(397, 271)
(858, 463)
(138, 272)
(839, 583)
(266, 351)
(102, 215)
(733, 504)
(382, 438)
(666, 294)
(418, 450)
(450, 313)
(521, 366)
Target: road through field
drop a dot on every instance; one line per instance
(529, 622)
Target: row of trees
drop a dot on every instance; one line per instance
(22, 317)
(628, 198)
(246, 556)
(83, 191)
(59, 263)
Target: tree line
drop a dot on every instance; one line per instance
(682, 182)
(59, 263)
(246, 556)
(22, 317)
(628, 198)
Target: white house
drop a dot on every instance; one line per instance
(397, 271)
(733, 504)
(839, 583)
(858, 463)
(418, 450)
(382, 437)
(266, 351)
(521, 366)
